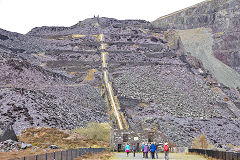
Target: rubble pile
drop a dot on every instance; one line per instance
(10, 145)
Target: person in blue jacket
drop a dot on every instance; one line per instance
(127, 149)
(152, 150)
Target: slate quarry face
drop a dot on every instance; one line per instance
(52, 76)
(222, 16)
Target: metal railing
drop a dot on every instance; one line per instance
(217, 154)
(63, 155)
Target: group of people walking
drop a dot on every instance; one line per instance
(153, 148)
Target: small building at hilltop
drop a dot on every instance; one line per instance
(119, 138)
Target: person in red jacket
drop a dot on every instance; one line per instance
(166, 150)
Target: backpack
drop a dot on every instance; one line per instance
(166, 148)
(146, 149)
(134, 148)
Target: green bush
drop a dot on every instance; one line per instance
(96, 131)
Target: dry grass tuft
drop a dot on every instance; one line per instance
(142, 104)
(96, 131)
(90, 75)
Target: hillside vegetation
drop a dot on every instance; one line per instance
(65, 139)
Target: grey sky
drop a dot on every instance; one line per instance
(22, 15)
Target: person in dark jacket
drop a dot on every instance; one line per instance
(134, 148)
(143, 149)
(152, 150)
(146, 150)
(158, 148)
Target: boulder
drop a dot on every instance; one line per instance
(25, 146)
(8, 134)
(9, 145)
(53, 147)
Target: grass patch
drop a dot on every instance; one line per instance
(99, 37)
(96, 131)
(142, 104)
(90, 75)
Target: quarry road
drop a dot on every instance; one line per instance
(172, 156)
(108, 83)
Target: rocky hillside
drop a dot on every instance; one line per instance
(52, 76)
(159, 87)
(223, 20)
(45, 82)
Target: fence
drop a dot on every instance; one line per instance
(179, 149)
(63, 155)
(217, 154)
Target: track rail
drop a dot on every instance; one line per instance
(114, 105)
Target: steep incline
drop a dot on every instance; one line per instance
(113, 99)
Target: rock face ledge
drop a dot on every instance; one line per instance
(8, 134)
(221, 16)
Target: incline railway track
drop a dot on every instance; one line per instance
(120, 120)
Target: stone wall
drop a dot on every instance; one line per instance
(120, 138)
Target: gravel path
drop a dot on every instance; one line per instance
(172, 156)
